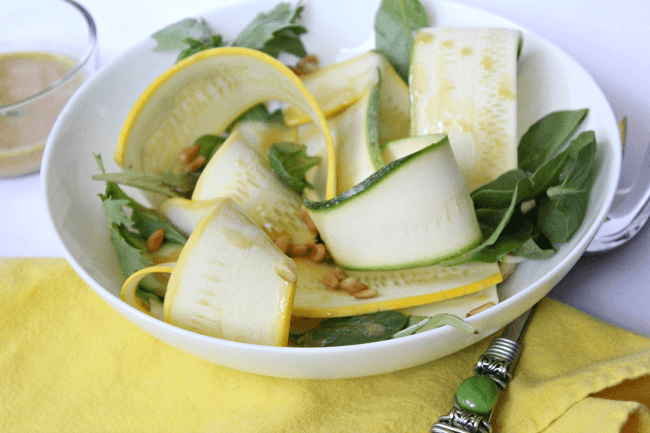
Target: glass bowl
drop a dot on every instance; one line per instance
(47, 50)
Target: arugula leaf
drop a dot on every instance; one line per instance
(545, 137)
(175, 36)
(196, 45)
(396, 22)
(287, 42)
(167, 184)
(130, 257)
(562, 210)
(291, 162)
(129, 234)
(345, 331)
(274, 32)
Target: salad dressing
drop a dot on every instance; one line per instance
(24, 128)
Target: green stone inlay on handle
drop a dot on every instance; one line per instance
(478, 394)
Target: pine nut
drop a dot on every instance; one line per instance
(307, 65)
(318, 253)
(340, 274)
(189, 153)
(352, 286)
(297, 250)
(366, 294)
(304, 215)
(330, 281)
(195, 164)
(283, 242)
(480, 309)
(155, 240)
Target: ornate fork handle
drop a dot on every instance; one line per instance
(477, 396)
(497, 365)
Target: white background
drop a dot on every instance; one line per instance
(610, 39)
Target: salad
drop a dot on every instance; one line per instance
(359, 211)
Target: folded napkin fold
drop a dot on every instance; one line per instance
(69, 363)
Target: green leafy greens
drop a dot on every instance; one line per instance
(129, 231)
(273, 33)
(383, 325)
(395, 25)
(290, 162)
(555, 177)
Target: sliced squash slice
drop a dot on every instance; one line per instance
(231, 281)
(397, 149)
(238, 171)
(130, 287)
(354, 134)
(203, 94)
(463, 84)
(396, 289)
(461, 306)
(413, 212)
(340, 85)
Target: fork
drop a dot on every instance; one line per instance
(630, 209)
(477, 396)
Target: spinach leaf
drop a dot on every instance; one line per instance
(498, 193)
(537, 247)
(345, 331)
(290, 162)
(513, 236)
(175, 36)
(563, 208)
(546, 136)
(396, 22)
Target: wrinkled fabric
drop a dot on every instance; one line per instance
(70, 363)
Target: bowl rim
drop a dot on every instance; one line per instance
(530, 294)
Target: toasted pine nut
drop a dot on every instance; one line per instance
(366, 294)
(340, 274)
(480, 309)
(283, 242)
(330, 281)
(352, 286)
(318, 253)
(155, 240)
(307, 219)
(307, 65)
(189, 153)
(297, 250)
(195, 164)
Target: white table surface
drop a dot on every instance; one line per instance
(610, 39)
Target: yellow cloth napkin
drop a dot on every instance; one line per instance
(69, 363)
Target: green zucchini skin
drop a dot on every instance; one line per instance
(413, 212)
(370, 181)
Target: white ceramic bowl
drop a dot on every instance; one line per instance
(548, 80)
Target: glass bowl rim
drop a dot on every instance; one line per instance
(79, 64)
